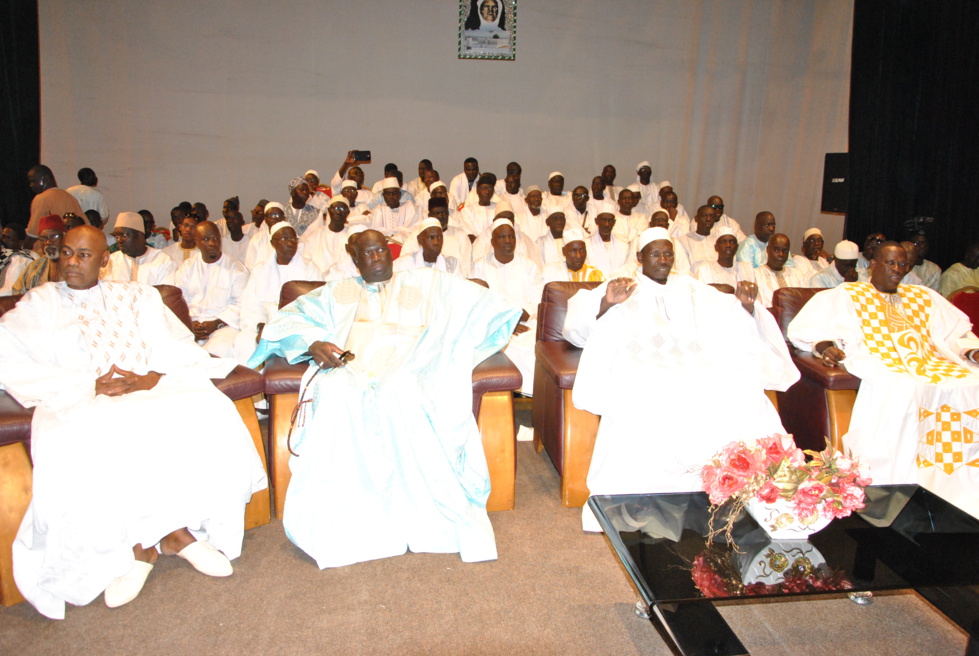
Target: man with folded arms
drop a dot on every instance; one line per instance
(388, 439)
(916, 357)
(107, 497)
(212, 285)
(135, 260)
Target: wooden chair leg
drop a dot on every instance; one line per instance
(580, 430)
(500, 444)
(280, 416)
(840, 405)
(16, 483)
(258, 511)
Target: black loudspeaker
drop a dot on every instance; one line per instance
(836, 187)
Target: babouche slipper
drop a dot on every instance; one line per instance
(206, 559)
(125, 588)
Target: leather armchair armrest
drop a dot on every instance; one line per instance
(830, 378)
(559, 360)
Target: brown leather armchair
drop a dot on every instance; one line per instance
(16, 476)
(821, 403)
(494, 381)
(564, 431)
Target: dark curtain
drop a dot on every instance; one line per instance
(914, 121)
(20, 90)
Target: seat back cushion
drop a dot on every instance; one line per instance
(554, 307)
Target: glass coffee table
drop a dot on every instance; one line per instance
(906, 538)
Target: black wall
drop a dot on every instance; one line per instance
(914, 121)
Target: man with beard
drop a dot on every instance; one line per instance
(51, 233)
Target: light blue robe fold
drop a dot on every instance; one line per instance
(391, 461)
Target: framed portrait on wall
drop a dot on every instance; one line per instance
(487, 29)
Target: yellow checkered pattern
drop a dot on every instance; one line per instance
(945, 438)
(881, 322)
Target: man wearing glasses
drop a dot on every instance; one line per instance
(722, 220)
(51, 233)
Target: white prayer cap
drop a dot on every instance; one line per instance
(500, 222)
(436, 184)
(724, 230)
(665, 183)
(348, 183)
(430, 222)
(279, 226)
(652, 234)
(573, 234)
(271, 206)
(533, 188)
(338, 199)
(130, 220)
(311, 171)
(846, 250)
(642, 164)
(355, 228)
(810, 232)
(390, 183)
(555, 174)
(605, 207)
(501, 207)
(634, 187)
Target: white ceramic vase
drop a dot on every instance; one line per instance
(779, 521)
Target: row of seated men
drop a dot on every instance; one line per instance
(397, 348)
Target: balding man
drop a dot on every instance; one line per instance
(753, 249)
(722, 219)
(654, 348)
(48, 198)
(106, 492)
(212, 286)
(135, 260)
(390, 420)
(916, 357)
(775, 272)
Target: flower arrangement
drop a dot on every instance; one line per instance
(715, 576)
(773, 469)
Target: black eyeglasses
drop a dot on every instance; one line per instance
(717, 207)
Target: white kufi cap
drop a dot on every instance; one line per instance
(652, 234)
(130, 220)
(846, 250)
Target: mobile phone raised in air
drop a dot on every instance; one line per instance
(362, 156)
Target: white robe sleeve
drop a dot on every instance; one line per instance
(581, 318)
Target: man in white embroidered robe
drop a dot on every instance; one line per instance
(212, 285)
(660, 354)
(135, 260)
(917, 411)
(116, 470)
(388, 455)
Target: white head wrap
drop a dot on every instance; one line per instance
(810, 232)
(356, 229)
(390, 183)
(638, 166)
(724, 230)
(311, 171)
(500, 222)
(533, 188)
(130, 220)
(279, 226)
(501, 207)
(846, 250)
(271, 206)
(338, 199)
(652, 234)
(606, 207)
(347, 184)
(436, 184)
(665, 183)
(573, 234)
(555, 174)
(430, 222)
(634, 187)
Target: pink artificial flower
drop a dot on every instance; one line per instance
(843, 464)
(796, 457)
(811, 491)
(768, 492)
(726, 485)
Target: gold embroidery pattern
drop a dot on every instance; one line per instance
(901, 340)
(947, 438)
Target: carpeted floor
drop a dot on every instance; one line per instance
(554, 590)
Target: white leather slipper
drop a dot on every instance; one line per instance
(206, 559)
(125, 588)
